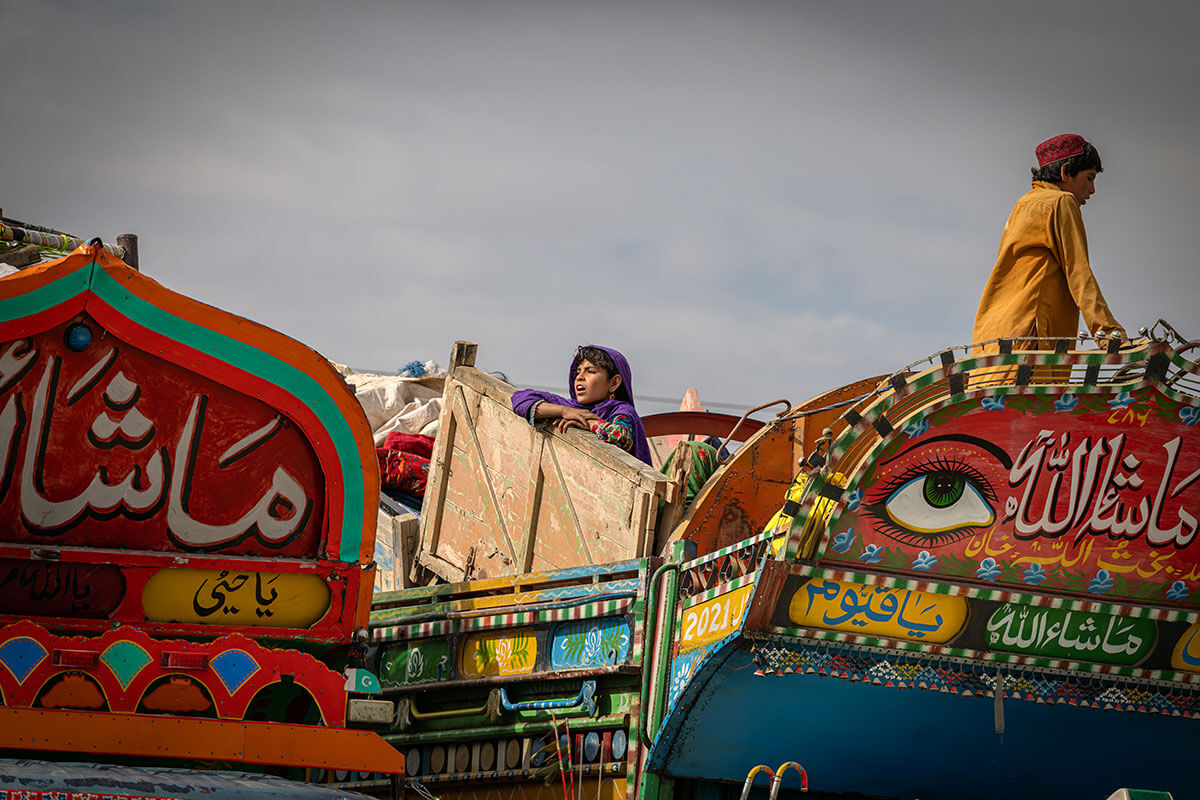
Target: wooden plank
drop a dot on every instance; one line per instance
(407, 535)
(533, 504)
(442, 568)
(570, 504)
(508, 444)
(642, 522)
(462, 354)
(435, 492)
(485, 384)
(673, 509)
(469, 429)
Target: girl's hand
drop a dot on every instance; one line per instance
(576, 418)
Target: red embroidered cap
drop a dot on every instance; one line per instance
(1059, 147)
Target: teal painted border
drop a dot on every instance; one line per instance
(245, 357)
(62, 290)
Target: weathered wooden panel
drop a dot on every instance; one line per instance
(505, 498)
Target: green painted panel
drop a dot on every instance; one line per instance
(1072, 635)
(416, 662)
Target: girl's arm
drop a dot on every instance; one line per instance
(617, 431)
(567, 416)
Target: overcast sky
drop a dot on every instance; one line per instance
(759, 199)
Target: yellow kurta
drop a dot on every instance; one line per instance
(1042, 280)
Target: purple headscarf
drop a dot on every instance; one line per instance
(523, 400)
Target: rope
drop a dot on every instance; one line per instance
(600, 772)
(570, 772)
(558, 752)
(59, 242)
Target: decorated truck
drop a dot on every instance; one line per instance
(974, 578)
(187, 520)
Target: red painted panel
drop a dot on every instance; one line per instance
(57, 589)
(109, 446)
(127, 664)
(1088, 494)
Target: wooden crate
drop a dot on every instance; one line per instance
(505, 498)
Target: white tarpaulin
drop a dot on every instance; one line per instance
(393, 403)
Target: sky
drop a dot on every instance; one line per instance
(762, 200)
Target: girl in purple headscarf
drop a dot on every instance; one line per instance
(602, 401)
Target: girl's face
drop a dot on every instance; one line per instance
(592, 383)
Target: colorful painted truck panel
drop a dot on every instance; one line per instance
(1088, 490)
(171, 466)
(988, 582)
(187, 519)
(510, 681)
(976, 584)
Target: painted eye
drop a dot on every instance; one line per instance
(937, 507)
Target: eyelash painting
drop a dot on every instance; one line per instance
(933, 503)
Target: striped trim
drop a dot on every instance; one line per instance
(513, 603)
(745, 544)
(862, 421)
(446, 627)
(717, 591)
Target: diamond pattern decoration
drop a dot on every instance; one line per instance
(21, 655)
(234, 668)
(126, 660)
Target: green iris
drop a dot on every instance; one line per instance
(943, 489)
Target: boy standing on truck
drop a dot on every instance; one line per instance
(1042, 280)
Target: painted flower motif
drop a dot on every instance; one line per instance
(853, 499)
(993, 403)
(1189, 415)
(917, 428)
(591, 646)
(1035, 574)
(1177, 591)
(416, 664)
(844, 541)
(681, 673)
(503, 653)
(1101, 583)
(988, 569)
(924, 561)
(1123, 400)
(871, 554)
(1067, 402)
